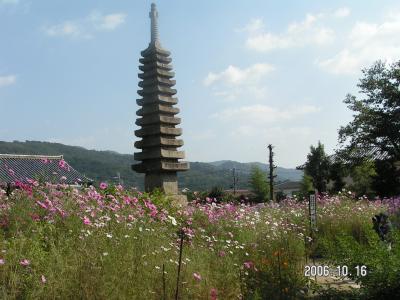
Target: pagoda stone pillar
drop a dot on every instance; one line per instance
(159, 158)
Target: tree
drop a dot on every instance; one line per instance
(363, 176)
(216, 192)
(317, 166)
(386, 182)
(259, 184)
(337, 172)
(306, 185)
(376, 120)
(376, 125)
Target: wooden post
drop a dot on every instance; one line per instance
(8, 189)
(182, 235)
(271, 173)
(235, 180)
(163, 281)
(312, 208)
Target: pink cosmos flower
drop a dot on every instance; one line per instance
(32, 182)
(86, 220)
(213, 294)
(248, 264)
(62, 164)
(43, 279)
(2, 262)
(25, 262)
(43, 205)
(221, 253)
(197, 276)
(45, 160)
(11, 172)
(35, 217)
(103, 186)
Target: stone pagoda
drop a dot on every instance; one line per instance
(159, 157)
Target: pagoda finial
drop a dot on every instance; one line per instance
(154, 24)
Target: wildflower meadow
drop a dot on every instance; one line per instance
(63, 242)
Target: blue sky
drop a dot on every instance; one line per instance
(248, 73)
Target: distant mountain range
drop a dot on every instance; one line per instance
(111, 166)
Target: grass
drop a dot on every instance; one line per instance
(58, 242)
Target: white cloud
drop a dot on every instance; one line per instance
(235, 76)
(298, 34)
(341, 12)
(67, 28)
(262, 114)
(7, 80)
(366, 43)
(234, 82)
(86, 27)
(107, 22)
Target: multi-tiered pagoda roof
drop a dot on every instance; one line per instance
(157, 115)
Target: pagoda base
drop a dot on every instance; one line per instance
(166, 182)
(178, 200)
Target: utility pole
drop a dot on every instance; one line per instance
(271, 173)
(119, 178)
(235, 179)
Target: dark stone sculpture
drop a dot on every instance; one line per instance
(383, 227)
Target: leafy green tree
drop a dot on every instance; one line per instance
(376, 122)
(217, 192)
(337, 172)
(363, 176)
(259, 184)
(306, 185)
(317, 166)
(387, 181)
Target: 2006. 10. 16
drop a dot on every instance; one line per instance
(326, 271)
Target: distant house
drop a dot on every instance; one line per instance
(241, 193)
(288, 188)
(372, 154)
(43, 168)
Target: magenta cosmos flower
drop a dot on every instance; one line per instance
(25, 262)
(213, 294)
(248, 264)
(62, 164)
(197, 276)
(103, 186)
(86, 220)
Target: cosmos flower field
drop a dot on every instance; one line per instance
(60, 242)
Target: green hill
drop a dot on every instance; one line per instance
(109, 166)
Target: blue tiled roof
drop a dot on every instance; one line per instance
(373, 153)
(43, 168)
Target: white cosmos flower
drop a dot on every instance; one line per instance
(173, 221)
